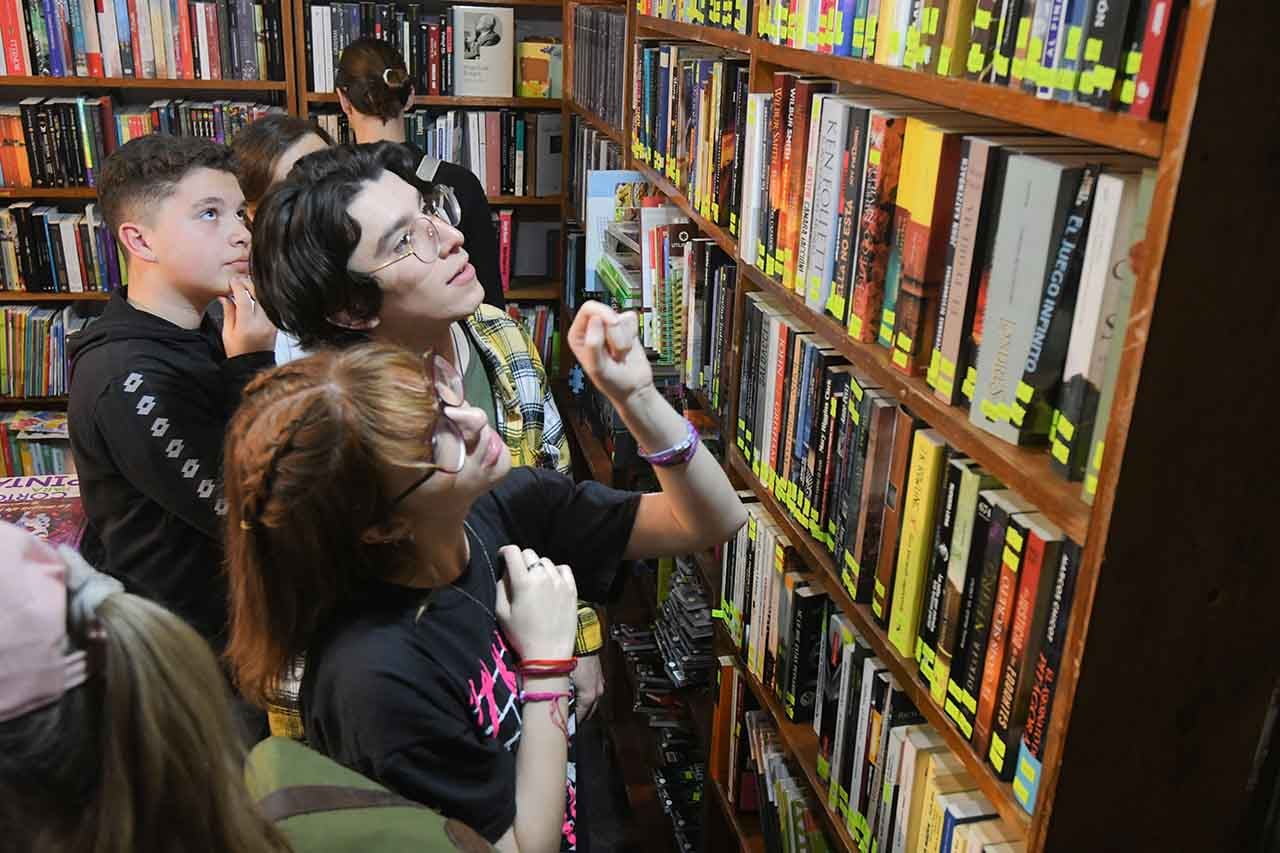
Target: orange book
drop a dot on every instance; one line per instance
(795, 148)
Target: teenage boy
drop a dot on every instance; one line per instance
(154, 380)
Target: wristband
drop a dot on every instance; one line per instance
(543, 662)
(678, 454)
(548, 696)
(589, 638)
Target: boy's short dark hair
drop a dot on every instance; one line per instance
(144, 171)
(303, 238)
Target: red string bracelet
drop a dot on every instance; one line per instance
(549, 662)
(554, 697)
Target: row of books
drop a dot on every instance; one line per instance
(33, 349)
(528, 248)
(599, 42)
(511, 152)
(589, 150)
(1111, 54)
(463, 51)
(919, 231)
(947, 560)
(34, 443)
(539, 322)
(61, 142)
(47, 506)
(143, 39)
(46, 250)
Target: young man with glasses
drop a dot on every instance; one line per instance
(351, 247)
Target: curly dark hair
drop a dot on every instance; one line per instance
(303, 238)
(144, 171)
(259, 146)
(373, 76)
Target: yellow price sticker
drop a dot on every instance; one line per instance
(1061, 452)
(944, 61)
(1001, 64)
(1024, 392)
(1071, 51)
(1097, 454)
(855, 326)
(931, 21)
(1133, 62)
(1024, 31)
(977, 58)
(1092, 49)
(873, 156)
(904, 341)
(1127, 92)
(1014, 538)
(836, 306)
(982, 19)
(1103, 78)
(1065, 428)
(900, 358)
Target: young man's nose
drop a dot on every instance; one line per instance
(450, 239)
(240, 234)
(471, 421)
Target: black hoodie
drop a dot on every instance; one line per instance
(148, 412)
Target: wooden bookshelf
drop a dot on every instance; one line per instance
(903, 669)
(49, 193)
(24, 296)
(709, 229)
(1180, 480)
(595, 121)
(524, 200)
(33, 402)
(536, 292)
(165, 84)
(1025, 470)
(745, 827)
(457, 101)
(1114, 130)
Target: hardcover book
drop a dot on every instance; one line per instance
(484, 54)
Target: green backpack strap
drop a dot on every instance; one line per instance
(285, 803)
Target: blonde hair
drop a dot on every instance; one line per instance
(303, 457)
(144, 756)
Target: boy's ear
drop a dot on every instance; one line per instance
(394, 529)
(344, 320)
(134, 238)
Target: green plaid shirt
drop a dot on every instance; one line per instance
(527, 420)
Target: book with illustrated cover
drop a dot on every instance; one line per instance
(47, 506)
(485, 63)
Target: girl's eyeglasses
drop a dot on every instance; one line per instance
(423, 240)
(448, 448)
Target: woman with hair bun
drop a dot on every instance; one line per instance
(375, 89)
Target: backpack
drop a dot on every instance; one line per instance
(322, 807)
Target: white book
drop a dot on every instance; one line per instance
(146, 43)
(919, 743)
(871, 669)
(1096, 303)
(846, 711)
(67, 234)
(325, 56)
(109, 39)
(317, 47)
(823, 231)
(89, 23)
(202, 38)
(753, 149)
(484, 51)
(158, 10)
(167, 37)
(814, 120)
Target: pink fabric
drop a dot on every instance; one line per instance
(35, 670)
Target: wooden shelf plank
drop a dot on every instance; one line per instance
(548, 290)
(456, 101)
(598, 123)
(32, 402)
(86, 193)
(904, 670)
(745, 826)
(17, 81)
(1025, 470)
(707, 227)
(23, 296)
(1114, 130)
(524, 200)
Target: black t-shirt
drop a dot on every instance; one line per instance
(416, 688)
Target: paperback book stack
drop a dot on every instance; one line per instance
(34, 443)
(62, 142)
(144, 39)
(920, 232)
(33, 349)
(1110, 54)
(47, 250)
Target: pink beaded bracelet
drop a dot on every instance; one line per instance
(546, 696)
(680, 454)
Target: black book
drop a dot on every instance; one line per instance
(1106, 27)
(193, 12)
(1006, 41)
(935, 582)
(804, 649)
(21, 213)
(225, 55)
(741, 91)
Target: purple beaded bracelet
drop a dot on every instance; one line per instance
(680, 454)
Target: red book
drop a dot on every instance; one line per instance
(775, 417)
(504, 248)
(447, 59)
(1155, 72)
(879, 195)
(211, 31)
(108, 125)
(827, 15)
(433, 59)
(186, 63)
(1001, 618)
(134, 43)
(13, 31)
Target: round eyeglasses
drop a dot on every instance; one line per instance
(423, 240)
(448, 448)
